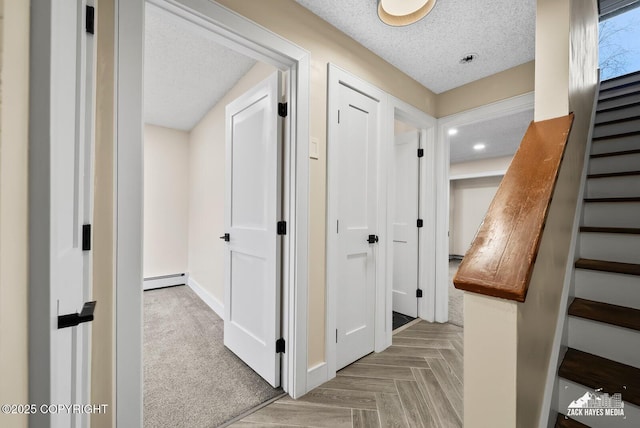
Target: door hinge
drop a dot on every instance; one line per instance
(338, 116)
(418, 293)
(420, 153)
(89, 25)
(86, 237)
(336, 335)
(282, 228)
(280, 346)
(420, 223)
(282, 109)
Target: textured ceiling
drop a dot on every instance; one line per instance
(501, 137)
(500, 32)
(185, 73)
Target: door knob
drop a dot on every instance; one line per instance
(72, 320)
(226, 237)
(372, 239)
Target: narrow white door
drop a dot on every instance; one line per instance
(405, 224)
(72, 101)
(358, 138)
(252, 212)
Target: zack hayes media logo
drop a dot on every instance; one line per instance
(596, 404)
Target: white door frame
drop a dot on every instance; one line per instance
(426, 125)
(253, 40)
(494, 110)
(390, 108)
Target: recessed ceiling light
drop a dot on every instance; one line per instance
(479, 146)
(453, 131)
(398, 13)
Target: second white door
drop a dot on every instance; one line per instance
(405, 224)
(356, 224)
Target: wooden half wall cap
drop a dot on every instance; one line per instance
(500, 260)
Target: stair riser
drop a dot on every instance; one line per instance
(605, 340)
(620, 81)
(614, 288)
(616, 128)
(613, 247)
(617, 102)
(622, 90)
(633, 110)
(614, 164)
(569, 391)
(613, 187)
(615, 144)
(612, 214)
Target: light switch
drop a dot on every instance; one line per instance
(313, 148)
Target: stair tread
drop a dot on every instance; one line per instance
(622, 77)
(566, 422)
(614, 174)
(627, 230)
(606, 266)
(597, 372)
(619, 120)
(616, 97)
(606, 313)
(621, 153)
(612, 136)
(634, 199)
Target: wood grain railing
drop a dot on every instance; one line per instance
(500, 260)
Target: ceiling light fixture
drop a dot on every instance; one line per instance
(398, 13)
(479, 146)
(453, 131)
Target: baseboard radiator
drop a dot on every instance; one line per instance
(165, 281)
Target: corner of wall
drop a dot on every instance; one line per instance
(14, 143)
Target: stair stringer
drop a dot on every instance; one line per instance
(547, 412)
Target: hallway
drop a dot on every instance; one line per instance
(415, 382)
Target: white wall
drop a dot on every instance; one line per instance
(470, 194)
(14, 118)
(166, 201)
(206, 189)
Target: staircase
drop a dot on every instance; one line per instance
(603, 329)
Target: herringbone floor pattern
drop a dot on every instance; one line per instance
(416, 382)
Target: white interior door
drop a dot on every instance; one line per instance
(252, 211)
(72, 101)
(405, 227)
(358, 138)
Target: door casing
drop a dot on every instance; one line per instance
(390, 108)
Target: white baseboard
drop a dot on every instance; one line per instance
(316, 376)
(216, 305)
(165, 281)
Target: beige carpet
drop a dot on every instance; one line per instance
(190, 378)
(456, 312)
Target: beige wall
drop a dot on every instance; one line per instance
(480, 166)
(326, 44)
(206, 188)
(469, 202)
(166, 201)
(103, 326)
(500, 86)
(577, 38)
(14, 114)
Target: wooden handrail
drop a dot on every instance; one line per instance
(500, 260)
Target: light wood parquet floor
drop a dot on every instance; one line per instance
(416, 382)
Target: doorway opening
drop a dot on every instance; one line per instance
(232, 31)
(213, 149)
(482, 143)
